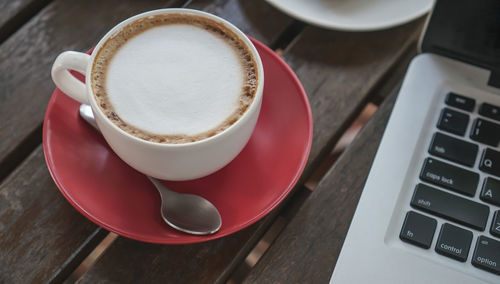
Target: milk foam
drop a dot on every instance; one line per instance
(175, 79)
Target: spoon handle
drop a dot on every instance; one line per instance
(87, 114)
(163, 190)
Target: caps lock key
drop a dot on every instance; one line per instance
(449, 176)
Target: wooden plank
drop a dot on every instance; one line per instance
(393, 78)
(338, 97)
(39, 230)
(248, 16)
(27, 56)
(13, 14)
(42, 238)
(338, 72)
(315, 235)
(129, 261)
(34, 49)
(201, 262)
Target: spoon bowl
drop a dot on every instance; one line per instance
(188, 213)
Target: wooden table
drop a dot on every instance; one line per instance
(43, 238)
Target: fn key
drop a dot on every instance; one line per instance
(418, 230)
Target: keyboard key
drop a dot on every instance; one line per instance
(491, 191)
(453, 121)
(449, 176)
(454, 242)
(490, 111)
(495, 224)
(485, 132)
(451, 207)
(459, 101)
(418, 230)
(490, 162)
(453, 149)
(487, 255)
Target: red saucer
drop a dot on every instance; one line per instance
(116, 197)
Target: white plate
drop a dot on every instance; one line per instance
(354, 15)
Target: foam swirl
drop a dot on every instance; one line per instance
(174, 78)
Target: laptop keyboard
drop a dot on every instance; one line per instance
(454, 171)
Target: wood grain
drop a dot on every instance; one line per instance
(42, 238)
(342, 71)
(25, 88)
(255, 18)
(307, 249)
(76, 26)
(129, 261)
(14, 13)
(40, 233)
(338, 71)
(201, 262)
(27, 56)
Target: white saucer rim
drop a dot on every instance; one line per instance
(349, 28)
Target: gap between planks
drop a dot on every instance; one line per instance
(32, 140)
(20, 153)
(21, 17)
(391, 81)
(279, 223)
(240, 272)
(301, 195)
(29, 143)
(290, 33)
(287, 36)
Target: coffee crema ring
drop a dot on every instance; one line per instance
(109, 49)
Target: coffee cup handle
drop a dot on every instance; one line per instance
(66, 61)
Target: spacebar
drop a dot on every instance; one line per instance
(450, 206)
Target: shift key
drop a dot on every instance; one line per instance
(450, 206)
(448, 176)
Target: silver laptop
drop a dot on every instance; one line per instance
(430, 208)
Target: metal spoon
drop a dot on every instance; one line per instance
(188, 213)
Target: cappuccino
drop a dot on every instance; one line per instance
(174, 78)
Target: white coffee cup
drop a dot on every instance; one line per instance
(164, 161)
